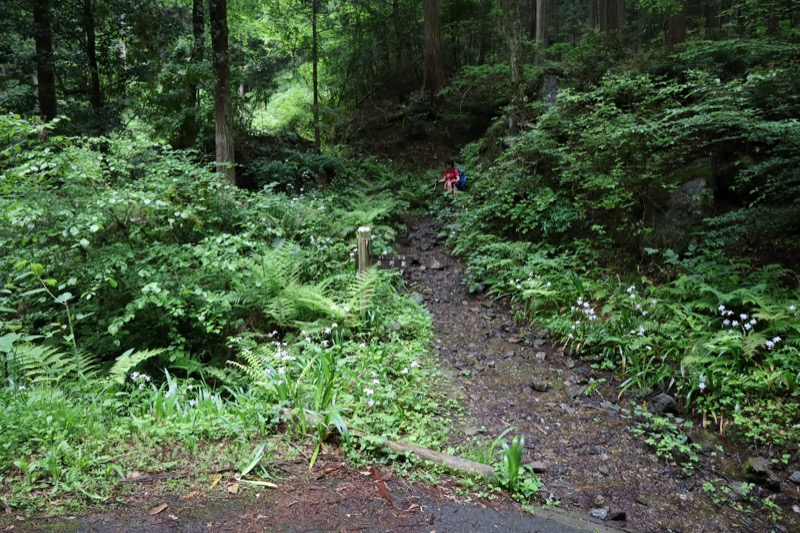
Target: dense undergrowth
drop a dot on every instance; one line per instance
(154, 319)
(649, 221)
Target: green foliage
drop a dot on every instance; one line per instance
(567, 224)
(666, 435)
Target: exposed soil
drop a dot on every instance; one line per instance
(576, 428)
(332, 497)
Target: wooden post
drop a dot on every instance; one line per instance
(364, 248)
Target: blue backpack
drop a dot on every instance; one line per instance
(462, 182)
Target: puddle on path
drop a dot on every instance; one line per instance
(591, 459)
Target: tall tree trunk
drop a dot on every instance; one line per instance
(712, 16)
(532, 20)
(218, 15)
(541, 22)
(198, 47)
(95, 92)
(676, 26)
(315, 72)
(511, 23)
(399, 51)
(434, 58)
(190, 125)
(45, 63)
(612, 17)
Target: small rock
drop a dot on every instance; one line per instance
(617, 514)
(537, 466)
(703, 438)
(436, 265)
(427, 291)
(471, 431)
(490, 364)
(578, 390)
(759, 471)
(610, 406)
(539, 385)
(796, 508)
(685, 498)
(509, 354)
(540, 357)
(795, 478)
(464, 303)
(539, 342)
(515, 339)
(661, 404)
(569, 363)
(567, 408)
(641, 499)
(603, 469)
(601, 513)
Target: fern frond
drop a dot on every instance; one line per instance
(37, 363)
(127, 361)
(361, 290)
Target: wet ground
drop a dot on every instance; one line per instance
(577, 434)
(332, 498)
(576, 430)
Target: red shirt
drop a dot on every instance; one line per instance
(451, 175)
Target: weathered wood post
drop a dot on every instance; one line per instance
(364, 248)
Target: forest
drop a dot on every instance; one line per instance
(181, 183)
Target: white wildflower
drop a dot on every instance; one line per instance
(369, 392)
(404, 371)
(192, 402)
(414, 364)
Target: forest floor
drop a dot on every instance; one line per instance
(577, 433)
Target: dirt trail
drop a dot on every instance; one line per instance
(591, 458)
(591, 461)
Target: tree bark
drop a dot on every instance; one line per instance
(315, 71)
(45, 63)
(218, 14)
(434, 58)
(95, 91)
(511, 21)
(190, 125)
(399, 50)
(612, 17)
(532, 21)
(676, 26)
(712, 16)
(198, 47)
(541, 22)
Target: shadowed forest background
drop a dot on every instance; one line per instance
(181, 183)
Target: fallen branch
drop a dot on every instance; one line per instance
(449, 461)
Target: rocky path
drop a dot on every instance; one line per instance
(576, 433)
